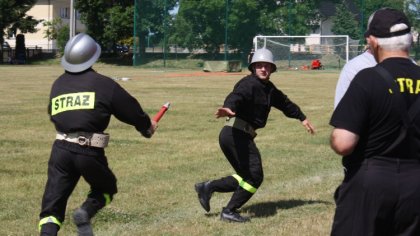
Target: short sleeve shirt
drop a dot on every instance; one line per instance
(349, 71)
(369, 110)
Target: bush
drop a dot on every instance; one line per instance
(62, 38)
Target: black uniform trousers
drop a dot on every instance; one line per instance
(380, 197)
(243, 155)
(69, 161)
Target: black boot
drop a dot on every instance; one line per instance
(232, 216)
(49, 229)
(82, 221)
(204, 194)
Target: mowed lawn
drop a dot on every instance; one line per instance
(156, 176)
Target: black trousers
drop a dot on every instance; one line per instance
(244, 156)
(380, 197)
(68, 162)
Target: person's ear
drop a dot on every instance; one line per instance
(372, 41)
(374, 47)
(271, 68)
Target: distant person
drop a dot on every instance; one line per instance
(247, 108)
(81, 104)
(350, 69)
(316, 65)
(377, 133)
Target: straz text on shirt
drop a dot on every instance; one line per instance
(72, 101)
(408, 85)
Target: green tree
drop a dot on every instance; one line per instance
(202, 24)
(412, 9)
(93, 15)
(367, 7)
(344, 22)
(57, 30)
(53, 27)
(62, 37)
(120, 26)
(182, 34)
(13, 17)
(242, 27)
(298, 17)
(112, 21)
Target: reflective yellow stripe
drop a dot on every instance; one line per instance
(48, 219)
(244, 184)
(72, 101)
(107, 198)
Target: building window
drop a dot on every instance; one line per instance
(65, 13)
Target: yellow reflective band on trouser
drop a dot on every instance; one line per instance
(244, 184)
(48, 219)
(107, 198)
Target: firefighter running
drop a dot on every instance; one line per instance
(81, 104)
(247, 108)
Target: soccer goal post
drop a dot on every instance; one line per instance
(297, 52)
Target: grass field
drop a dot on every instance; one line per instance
(156, 176)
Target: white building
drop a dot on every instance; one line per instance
(47, 10)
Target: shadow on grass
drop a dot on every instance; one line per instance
(265, 209)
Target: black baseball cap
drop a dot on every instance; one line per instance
(381, 21)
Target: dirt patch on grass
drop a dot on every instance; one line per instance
(194, 74)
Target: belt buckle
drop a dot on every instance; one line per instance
(83, 141)
(247, 129)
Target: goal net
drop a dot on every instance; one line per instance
(298, 52)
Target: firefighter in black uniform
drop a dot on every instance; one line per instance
(247, 108)
(81, 104)
(377, 131)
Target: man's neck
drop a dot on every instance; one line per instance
(388, 54)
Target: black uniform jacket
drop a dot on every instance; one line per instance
(252, 99)
(85, 102)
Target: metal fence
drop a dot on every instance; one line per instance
(9, 55)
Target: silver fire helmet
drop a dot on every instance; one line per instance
(80, 53)
(262, 55)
